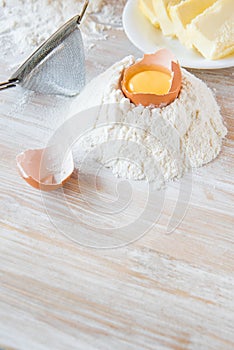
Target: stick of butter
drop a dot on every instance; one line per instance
(183, 13)
(146, 7)
(212, 32)
(161, 8)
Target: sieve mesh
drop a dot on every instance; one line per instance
(62, 71)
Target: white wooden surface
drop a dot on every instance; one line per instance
(161, 292)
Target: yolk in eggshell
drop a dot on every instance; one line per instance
(150, 82)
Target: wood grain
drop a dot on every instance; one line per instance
(161, 292)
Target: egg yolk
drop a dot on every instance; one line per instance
(150, 82)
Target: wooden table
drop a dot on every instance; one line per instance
(164, 291)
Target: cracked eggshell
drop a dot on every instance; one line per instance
(164, 61)
(42, 172)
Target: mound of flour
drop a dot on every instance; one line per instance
(153, 143)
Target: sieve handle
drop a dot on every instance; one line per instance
(8, 84)
(86, 4)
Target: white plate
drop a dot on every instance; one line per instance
(149, 39)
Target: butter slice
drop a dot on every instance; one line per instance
(146, 7)
(161, 8)
(212, 32)
(183, 13)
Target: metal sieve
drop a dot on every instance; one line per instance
(58, 65)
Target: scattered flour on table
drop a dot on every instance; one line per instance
(159, 144)
(30, 22)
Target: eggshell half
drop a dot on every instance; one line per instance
(37, 169)
(164, 61)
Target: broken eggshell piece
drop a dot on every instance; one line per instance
(162, 61)
(45, 169)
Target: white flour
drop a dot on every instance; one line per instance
(159, 144)
(25, 24)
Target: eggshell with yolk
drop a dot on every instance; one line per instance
(164, 61)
